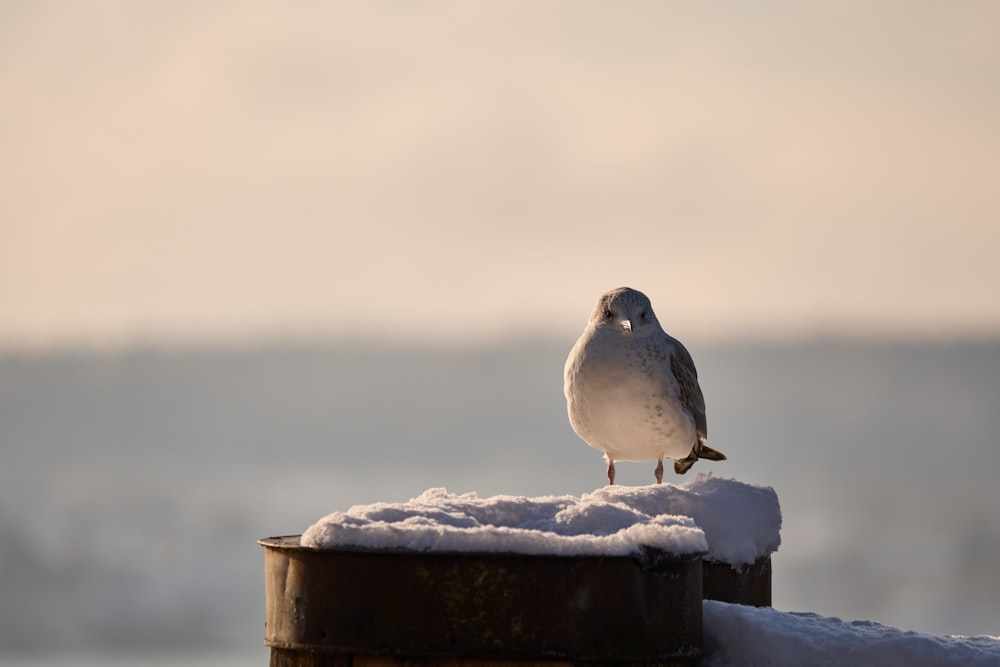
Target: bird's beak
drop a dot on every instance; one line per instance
(627, 325)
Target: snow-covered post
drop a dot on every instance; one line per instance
(614, 576)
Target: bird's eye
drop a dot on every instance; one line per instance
(642, 315)
(608, 314)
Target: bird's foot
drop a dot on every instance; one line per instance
(611, 472)
(682, 466)
(658, 473)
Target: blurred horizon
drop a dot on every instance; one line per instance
(260, 343)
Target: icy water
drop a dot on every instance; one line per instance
(133, 486)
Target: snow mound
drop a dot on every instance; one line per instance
(752, 636)
(550, 525)
(742, 522)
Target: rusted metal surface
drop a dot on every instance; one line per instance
(351, 605)
(743, 584)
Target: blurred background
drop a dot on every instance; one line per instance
(262, 261)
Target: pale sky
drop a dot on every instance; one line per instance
(185, 171)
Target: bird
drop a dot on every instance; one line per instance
(632, 390)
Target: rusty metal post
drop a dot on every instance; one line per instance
(738, 584)
(373, 608)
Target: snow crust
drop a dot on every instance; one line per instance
(614, 521)
(736, 635)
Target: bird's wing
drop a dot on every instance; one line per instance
(691, 397)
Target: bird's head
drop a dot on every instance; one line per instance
(625, 311)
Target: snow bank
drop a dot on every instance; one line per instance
(752, 636)
(741, 522)
(550, 525)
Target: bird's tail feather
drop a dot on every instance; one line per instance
(703, 451)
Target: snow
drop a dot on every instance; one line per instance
(742, 522)
(751, 637)
(550, 525)
(734, 522)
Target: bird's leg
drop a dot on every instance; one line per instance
(658, 473)
(611, 472)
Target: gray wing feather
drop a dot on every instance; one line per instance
(691, 397)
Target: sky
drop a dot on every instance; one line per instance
(449, 171)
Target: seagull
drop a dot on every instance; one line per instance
(632, 390)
